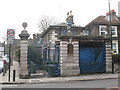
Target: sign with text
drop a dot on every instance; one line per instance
(10, 35)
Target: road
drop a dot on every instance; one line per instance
(72, 84)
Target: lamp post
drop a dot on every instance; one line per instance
(110, 28)
(9, 61)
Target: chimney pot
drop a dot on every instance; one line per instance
(70, 13)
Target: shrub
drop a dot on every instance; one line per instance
(17, 54)
(51, 62)
(34, 55)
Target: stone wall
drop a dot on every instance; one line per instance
(108, 55)
(116, 68)
(53, 38)
(69, 65)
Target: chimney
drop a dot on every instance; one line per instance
(69, 17)
(70, 13)
(67, 14)
(113, 13)
(34, 38)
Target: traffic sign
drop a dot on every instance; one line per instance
(11, 32)
(44, 42)
(10, 35)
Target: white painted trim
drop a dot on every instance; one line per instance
(63, 42)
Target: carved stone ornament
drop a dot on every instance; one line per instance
(24, 25)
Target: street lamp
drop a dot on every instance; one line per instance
(110, 28)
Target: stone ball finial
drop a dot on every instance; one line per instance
(24, 25)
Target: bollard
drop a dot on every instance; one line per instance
(13, 75)
(4, 70)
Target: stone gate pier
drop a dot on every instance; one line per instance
(69, 57)
(24, 52)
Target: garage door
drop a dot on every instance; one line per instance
(91, 57)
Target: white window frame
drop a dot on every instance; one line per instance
(85, 32)
(102, 26)
(114, 31)
(115, 48)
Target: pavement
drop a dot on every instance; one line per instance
(4, 79)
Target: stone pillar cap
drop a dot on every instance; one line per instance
(24, 34)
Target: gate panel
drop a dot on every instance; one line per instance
(39, 58)
(35, 62)
(91, 58)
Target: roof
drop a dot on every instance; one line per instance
(102, 20)
(58, 26)
(63, 25)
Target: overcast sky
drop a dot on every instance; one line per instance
(14, 12)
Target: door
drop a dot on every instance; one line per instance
(91, 57)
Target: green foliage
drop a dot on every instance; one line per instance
(116, 58)
(51, 62)
(17, 53)
(34, 55)
(48, 62)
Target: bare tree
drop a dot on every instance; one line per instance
(46, 21)
(4, 37)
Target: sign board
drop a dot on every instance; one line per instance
(10, 35)
(44, 43)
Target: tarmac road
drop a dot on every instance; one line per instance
(106, 83)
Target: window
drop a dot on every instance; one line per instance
(115, 47)
(102, 30)
(114, 31)
(85, 32)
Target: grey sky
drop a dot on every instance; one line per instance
(14, 12)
